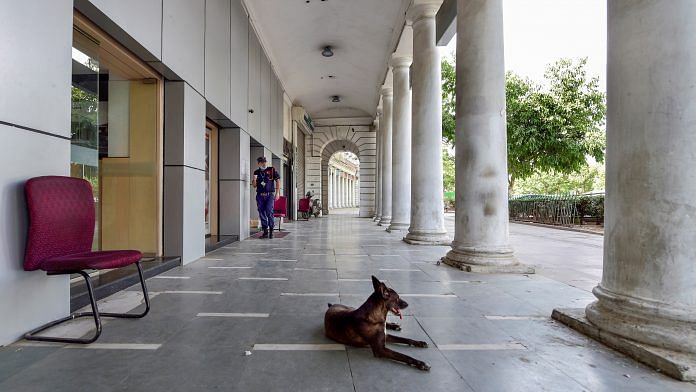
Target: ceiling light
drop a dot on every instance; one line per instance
(327, 52)
(335, 98)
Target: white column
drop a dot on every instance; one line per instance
(378, 171)
(401, 144)
(357, 192)
(386, 164)
(647, 291)
(352, 193)
(481, 241)
(330, 188)
(343, 190)
(427, 226)
(335, 186)
(339, 198)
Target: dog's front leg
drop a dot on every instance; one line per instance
(380, 351)
(410, 342)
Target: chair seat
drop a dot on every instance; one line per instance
(92, 260)
(279, 215)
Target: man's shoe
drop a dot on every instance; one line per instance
(270, 235)
(265, 234)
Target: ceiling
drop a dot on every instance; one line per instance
(363, 34)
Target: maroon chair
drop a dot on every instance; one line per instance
(61, 228)
(304, 207)
(280, 209)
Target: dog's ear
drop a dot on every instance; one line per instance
(384, 291)
(376, 284)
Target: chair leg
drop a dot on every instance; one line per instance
(33, 334)
(145, 295)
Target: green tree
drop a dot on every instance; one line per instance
(448, 100)
(551, 128)
(554, 128)
(447, 170)
(587, 179)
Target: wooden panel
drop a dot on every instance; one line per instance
(130, 186)
(214, 178)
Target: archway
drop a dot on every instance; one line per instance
(356, 139)
(342, 183)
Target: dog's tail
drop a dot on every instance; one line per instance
(330, 305)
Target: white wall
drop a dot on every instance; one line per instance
(184, 172)
(183, 40)
(234, 186)
(141, 19)
(239, 62)
(218, 55)
(254, 87)
(35, 115)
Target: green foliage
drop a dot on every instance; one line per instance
(448, 100)
(551, 128)
(554, 129)
(448, 170)
(591, 206)
(83, 115)
(587, 179)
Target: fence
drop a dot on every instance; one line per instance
(563, 210)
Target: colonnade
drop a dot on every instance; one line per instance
(647, 294)
(344, 189)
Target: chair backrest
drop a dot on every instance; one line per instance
(303, 205)
(281, 206)
(61, 218)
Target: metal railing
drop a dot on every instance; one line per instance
(559, 209)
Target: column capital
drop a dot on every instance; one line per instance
(387, 91)
(421, 9)
(400, 60)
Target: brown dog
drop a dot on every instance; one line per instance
(367, 325)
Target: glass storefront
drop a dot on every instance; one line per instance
(116, 140)
(211, 179)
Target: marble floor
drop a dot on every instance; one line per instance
(249, 317)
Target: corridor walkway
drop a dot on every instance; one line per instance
(571, 257)
(486, 333)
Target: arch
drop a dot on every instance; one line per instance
(358, 139)
(327, 152)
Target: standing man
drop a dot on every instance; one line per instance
(266, 180)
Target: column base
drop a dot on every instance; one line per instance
(427, 238)
(681, 366)
(384, 221)
(377, 218)
(486, 261)
(644, 321)
(394, 226)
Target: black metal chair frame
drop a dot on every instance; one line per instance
(33, 334)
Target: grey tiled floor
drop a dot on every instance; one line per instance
(335, 256)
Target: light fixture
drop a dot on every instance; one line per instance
(327, 52)
(335, 98)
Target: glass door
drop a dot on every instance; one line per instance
(116, 140)
(211, 179)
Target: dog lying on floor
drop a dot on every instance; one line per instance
(367, 325)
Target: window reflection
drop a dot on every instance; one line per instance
(115, 141)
